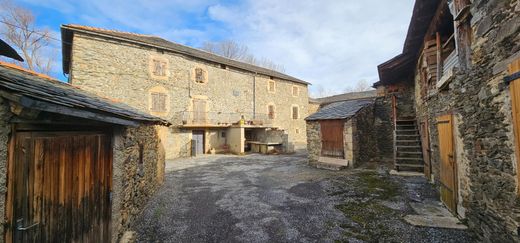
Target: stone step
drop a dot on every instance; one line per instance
(410, 165)
(408, 146)
(408, 158)
(409, 152)
(406, 141)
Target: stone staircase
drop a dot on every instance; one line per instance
(407, 150)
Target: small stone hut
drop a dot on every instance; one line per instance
(341, 134)
(73, 166)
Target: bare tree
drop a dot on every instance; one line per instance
(361, 85)
(17, 27)
(233, 50)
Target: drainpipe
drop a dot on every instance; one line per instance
(254, 95)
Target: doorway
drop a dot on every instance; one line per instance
(59, 187)
(332, 138)
(448, 165)
(198, 140)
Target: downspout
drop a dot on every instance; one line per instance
(254, 95)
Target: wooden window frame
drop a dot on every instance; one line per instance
(293, 88)
(297, 111)
(200, 75)
(269, 116)
(153, 108)
(153, 65)
(269, 82)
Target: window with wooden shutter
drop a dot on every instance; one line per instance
(271, 86)
(295, 112)
(159, 68)
(200, 75)
(270, 111)
(295, 90)
(158, 102)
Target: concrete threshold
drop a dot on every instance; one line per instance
(433, 214)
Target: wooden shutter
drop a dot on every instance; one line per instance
(270, 110)
(514, 88)
(295, 111)
(158, 102)
(199, 111)
(271, 86)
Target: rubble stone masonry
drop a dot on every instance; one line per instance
(484, 140)
(120, 71)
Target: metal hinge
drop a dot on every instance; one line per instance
(511, 78)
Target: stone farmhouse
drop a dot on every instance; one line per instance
(74, 167)
(454, 92)
(220, 104)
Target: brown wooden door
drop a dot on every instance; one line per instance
(514, 89)
(332, 138)
(199, 111)
(59, 187)
(425, 143)
(448, 170)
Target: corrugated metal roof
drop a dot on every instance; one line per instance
(37, 90)
(340, 110)
(154, 41)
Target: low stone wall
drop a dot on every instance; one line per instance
(138, 171)
(383, 129)
(313, 141)
(364, 136)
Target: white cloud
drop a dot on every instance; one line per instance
(330, 43)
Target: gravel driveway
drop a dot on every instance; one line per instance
(278, 198)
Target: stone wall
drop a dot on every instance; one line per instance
(364, 136)
(313, 141)
(138, 171)
(120, 71)
(484, 140)
(5, 130)
(383, 129)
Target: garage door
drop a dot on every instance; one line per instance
(59, 187)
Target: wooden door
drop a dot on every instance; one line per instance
(332, 138)
(448, 170)
(199, 111)
(59, 187)
(514, 88)
(198, 138)
(425, 143)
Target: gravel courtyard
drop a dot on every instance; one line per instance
(278, 198)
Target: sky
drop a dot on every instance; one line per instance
(332, 44)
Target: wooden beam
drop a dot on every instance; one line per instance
(49, 107)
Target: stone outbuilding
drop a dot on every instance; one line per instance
(341, 134)
(74, 167)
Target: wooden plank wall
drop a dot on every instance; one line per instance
(62, 184)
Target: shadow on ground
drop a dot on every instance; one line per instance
(257, 198)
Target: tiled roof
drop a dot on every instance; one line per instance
(340, 110)
(38, 91)
(157, 42)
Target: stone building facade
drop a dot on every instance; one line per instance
(455, 61)
(198, 91)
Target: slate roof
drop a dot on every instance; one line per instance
(40, 92)
(347, 96)
(157, 42)
(340, 110)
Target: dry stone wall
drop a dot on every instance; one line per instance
(5, 116)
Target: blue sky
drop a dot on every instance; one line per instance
(331, 43)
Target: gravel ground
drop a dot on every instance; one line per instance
(278, 198)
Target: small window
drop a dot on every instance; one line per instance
(200, 75)
(270, 111)
(295, 113)
(159, 68)
(158, 102)
(295, 90)
(271, 86)
(223, 135)
(297, 131)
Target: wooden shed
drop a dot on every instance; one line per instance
(341, 134)
(62, 175)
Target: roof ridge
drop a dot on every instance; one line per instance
(85, 27)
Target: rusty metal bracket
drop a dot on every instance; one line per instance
(511, 78)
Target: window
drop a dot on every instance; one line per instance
(200, 75)
(223, 135)
(297, 131)
(295, 112)
(295, 91)
(159, 68)
(270, 111)
(158, 102)
(271, 87)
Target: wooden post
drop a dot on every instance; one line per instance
(439, 55)
(514, 88)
